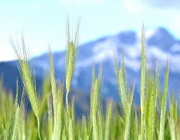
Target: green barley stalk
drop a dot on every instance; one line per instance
(122, 86)
(16, 120)
(108, 120)
(71, 120)
(84, 126)
(151, 117)
(50, 117)
(70, 57)
(121, 80)
(8, 127)
(173, 117)
(70, 130)
(54, 92)
(95, 104)
(123, 70)
(128, 116)
(59, 107)
(172, 129)
(143, 84)
(53, 81)
(46, 92)
(153, 103)
(21, 53)
(121, 83)
(163, 105)
(64, 135)
(149, 90)
(151, 106)
(94, 109)
(16, 123)
(136, 124)
(57, 104)
(100, 125)
(22, 127)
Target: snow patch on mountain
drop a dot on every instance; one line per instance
(106, 45)
(132, 64)
(175, 48)
(154, 52)
(133, 51)
(149, 33)
(103, 55)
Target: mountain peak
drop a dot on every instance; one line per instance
(161, 30)
(160, 37)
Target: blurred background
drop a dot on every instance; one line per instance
(43, 22)
(105, 26)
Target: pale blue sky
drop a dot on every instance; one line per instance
(44, 21)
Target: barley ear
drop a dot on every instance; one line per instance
(26, 75)
(121, 80)
(70, 57)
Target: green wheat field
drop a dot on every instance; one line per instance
(156, 118)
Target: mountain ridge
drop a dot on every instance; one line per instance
(160, 44)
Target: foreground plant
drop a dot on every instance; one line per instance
(53, 116)
(70, 57)
(143, 84)
(26, 75)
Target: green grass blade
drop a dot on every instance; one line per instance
(143, 84)
(94, 110)
(100, 126)
(128, 116)
(123, 89)
(163, 105)
(16, 120)
(108, 120)
(121, 81)
(50, 118)
(71, 131)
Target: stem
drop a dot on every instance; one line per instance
(38, 128)
(67, 99)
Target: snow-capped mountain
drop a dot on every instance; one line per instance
(160, 45)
